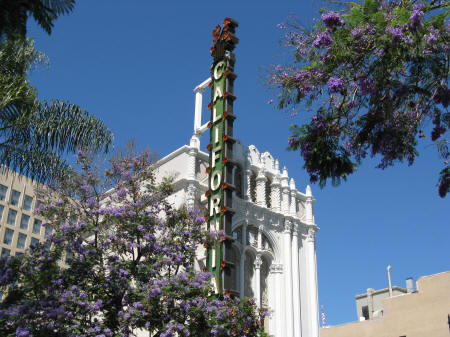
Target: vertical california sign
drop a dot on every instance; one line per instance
(220, 193)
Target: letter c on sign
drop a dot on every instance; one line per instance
(219, 69)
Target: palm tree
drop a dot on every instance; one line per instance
(34, 134)
(14, 14)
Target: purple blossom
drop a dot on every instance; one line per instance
(292, 141)
(396, 32)
(366, 85)
(416, 16)
(432, 37)
(323, 40)
(335, 84)
(23, 332)
(356, 31)
(332, 19)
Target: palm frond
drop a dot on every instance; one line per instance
(65, 127)
(14, 14)
(40, 165)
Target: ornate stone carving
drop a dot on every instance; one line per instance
(190, 195)
(311, 236)
(295, 229)
(258, 261)
(276, 268)
(254, 156)
(261, 188)
(287, 226)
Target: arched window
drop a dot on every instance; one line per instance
(255, 242)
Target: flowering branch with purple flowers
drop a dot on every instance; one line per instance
(374, 75)
(120, 258)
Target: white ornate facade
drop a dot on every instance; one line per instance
(273, 227)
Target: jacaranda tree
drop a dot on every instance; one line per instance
(129, 264)
(375, 76)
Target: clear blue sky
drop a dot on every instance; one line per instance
(134, 64)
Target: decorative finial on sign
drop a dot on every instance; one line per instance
(224, 39)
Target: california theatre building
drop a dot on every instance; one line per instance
(269, 251)
(273, 228)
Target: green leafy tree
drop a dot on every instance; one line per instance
(374, 74)
(34, 134)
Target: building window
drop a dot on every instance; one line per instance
(48, 229)
(33, 242)
(37, 226)
(365, 312)
(15, 195)
(47, 246)
(11, 220)
(5, 252)
(24, 222)
(1, 211)
(69, 257)
(27, 201)
(37, 205)
(21, 241)
(7, 238)
(3, 190)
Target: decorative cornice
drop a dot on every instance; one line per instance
(295, 229)
(261, 176)
(311, 235)
(276, 268)
(287, 226)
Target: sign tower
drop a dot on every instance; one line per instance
(220, 260)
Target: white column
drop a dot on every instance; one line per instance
(258, 263)
(190, 175)
(260, 229)
(285, 192)
(276, 194)
(312, 282)
(244, 235)
(296, 283)
(271, 286)
(261, 189)
(288, 279)
(198, 107)
(241, 274)
(248, 192)
(279, 307)
(304, 289)
(309, 217)
(292, 205)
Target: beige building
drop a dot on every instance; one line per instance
(19, 226)
(422, 313)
